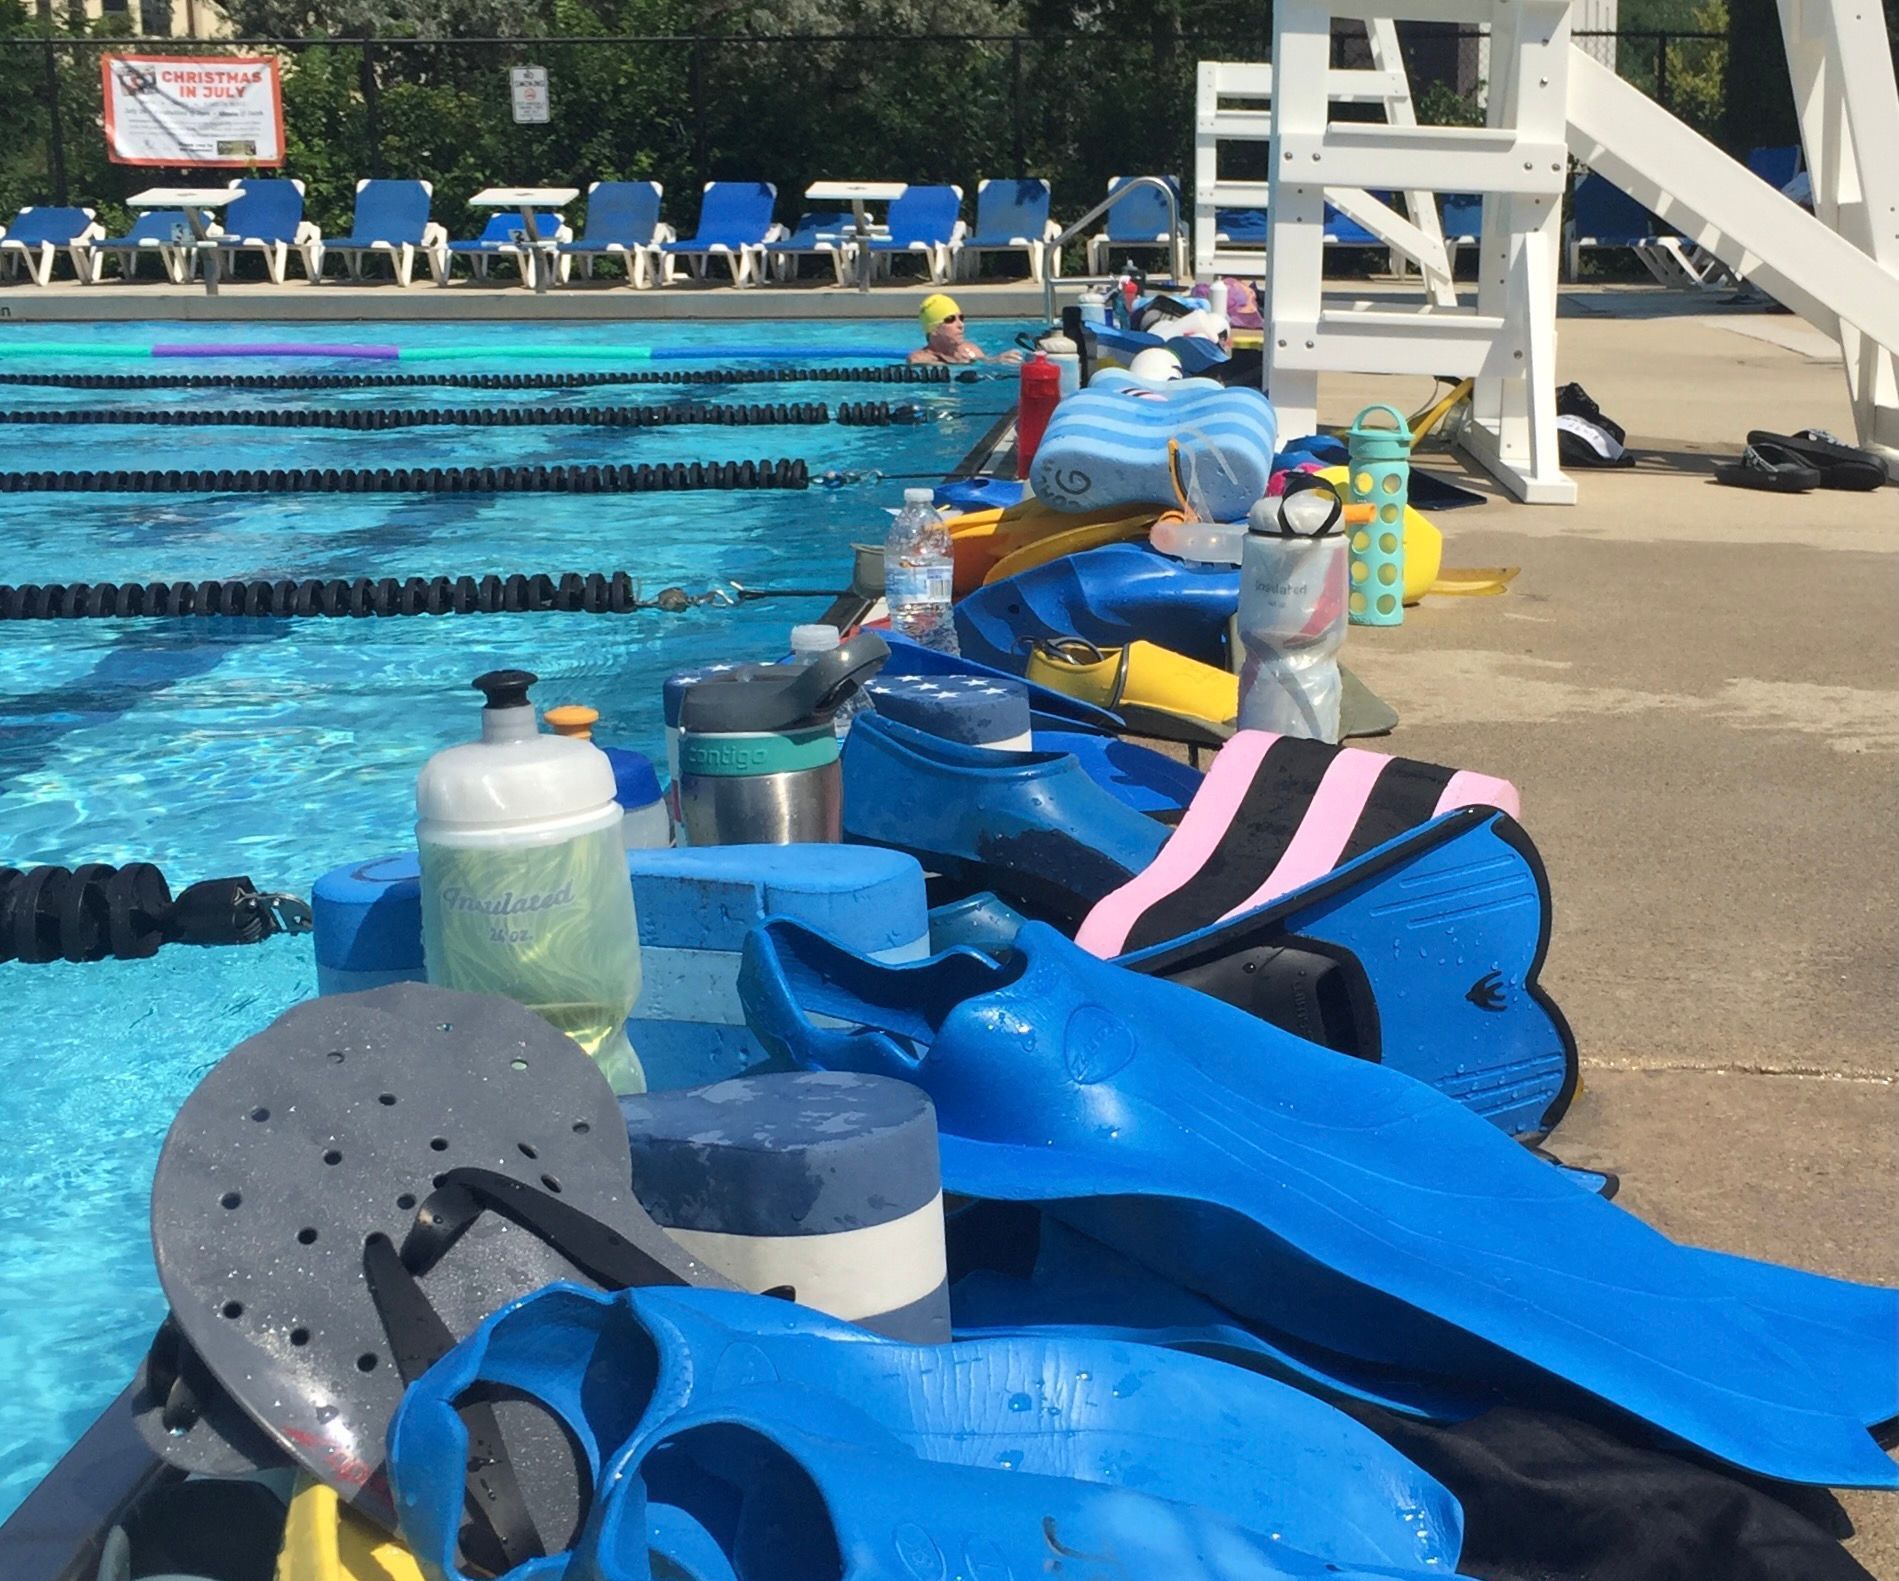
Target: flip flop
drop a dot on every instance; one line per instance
(616, 1371)
(1840, 465)
(347, 1192)
(1772, 468)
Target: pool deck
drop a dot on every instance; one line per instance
(335, 302)
(1696, 689)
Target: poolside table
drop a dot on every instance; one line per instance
(537, 254)
(857, 194)
(194, 201)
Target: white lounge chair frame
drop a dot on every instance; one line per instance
(307, 242)
(1036, 248)
(179, 260)
(37, 258)
(1100, 246)
(440, 260)
(402, 256)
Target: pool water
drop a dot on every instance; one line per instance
(279, 749)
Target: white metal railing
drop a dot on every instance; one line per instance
(1174, 239)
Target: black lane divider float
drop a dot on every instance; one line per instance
(88, 912)
(643, 479)
(858, 414)
(891, 373)
(571, 593)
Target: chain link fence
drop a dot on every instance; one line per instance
(1077, 108)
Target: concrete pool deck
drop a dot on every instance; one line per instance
(1696, 690)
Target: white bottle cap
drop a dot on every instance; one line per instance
(815, 638)
(919, 496)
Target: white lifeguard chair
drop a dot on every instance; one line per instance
(1837, 267)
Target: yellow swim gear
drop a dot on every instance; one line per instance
(936, 307)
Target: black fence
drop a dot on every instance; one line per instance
(1077, 108)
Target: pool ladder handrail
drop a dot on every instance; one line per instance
(1174, 236)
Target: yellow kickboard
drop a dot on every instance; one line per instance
(325, 1540)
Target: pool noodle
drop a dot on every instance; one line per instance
(275, 348)
(386, 353)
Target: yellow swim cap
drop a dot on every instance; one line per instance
(935, 309)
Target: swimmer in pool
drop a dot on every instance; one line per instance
(944, 337)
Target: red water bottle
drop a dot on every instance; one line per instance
(1041, 388)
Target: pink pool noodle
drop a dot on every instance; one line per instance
(275, 348)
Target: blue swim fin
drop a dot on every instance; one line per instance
(1329, 1199)
(615, 1370)
(1080, 1287)
(788, 1484)
(1423, 954)
(1030, 825)
(1148, 781)
(1110, 596)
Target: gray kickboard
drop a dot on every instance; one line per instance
(331, 1126)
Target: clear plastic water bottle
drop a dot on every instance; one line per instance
(1292, 612)
(919, 573)
(807, 643)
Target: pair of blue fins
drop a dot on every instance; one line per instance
(1319, 888)
(722, 1436)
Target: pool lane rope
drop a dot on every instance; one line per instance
(594, 593)
(857, 414)
(645, 478)
(95, 910)
(894, 373)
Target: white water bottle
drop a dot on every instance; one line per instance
(820, 637)
(1293, 614)
(1066, 356)
(919, 573)
(524, 884)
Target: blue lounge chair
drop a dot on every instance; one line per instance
(156, 234)
(734, 224)
(923, 223)
(1602, 216)
(392, 218)
(623, 223)
(267, 218)
(36, 236)
(1461, 217)
(1011, 216)
(1776, 166)
(823, 233)
(1240, 227)
(497, 240)
(1138, 223)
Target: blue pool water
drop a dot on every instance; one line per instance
(279, 749)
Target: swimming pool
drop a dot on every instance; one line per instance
(279, 748)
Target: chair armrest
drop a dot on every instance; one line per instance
(434, 234)
(776, 233)
(663, 233)
(1051, 230)
(959, 233)
(307, 232)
